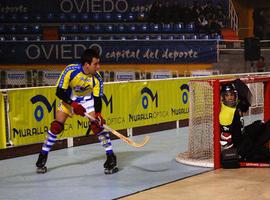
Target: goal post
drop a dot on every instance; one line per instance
(204, 129)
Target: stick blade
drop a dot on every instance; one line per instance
(144, 142)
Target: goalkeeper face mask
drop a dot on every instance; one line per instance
(229, 95)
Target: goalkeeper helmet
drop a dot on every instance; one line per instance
(229, 95)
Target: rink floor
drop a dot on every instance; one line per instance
(77, 172)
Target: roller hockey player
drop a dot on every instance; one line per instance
(80, 88)
(240, 143)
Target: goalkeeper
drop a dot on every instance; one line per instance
(80, 88)
(248, 141)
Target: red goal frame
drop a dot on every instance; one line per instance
(217, 83)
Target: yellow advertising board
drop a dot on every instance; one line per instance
(139, 103)
(31, 112)
(2, 123)
(125, 105)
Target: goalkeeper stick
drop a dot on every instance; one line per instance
(254, 164)
(119, 135)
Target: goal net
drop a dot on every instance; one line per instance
(204, 130)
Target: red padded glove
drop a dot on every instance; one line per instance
(96, 126)
(78, 108)
(100, 120)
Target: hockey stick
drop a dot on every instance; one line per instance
(254, 164)
(119, 135)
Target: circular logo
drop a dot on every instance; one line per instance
(39, 113)
(145, 102)
(185, 97)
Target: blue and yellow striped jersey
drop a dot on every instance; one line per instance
(75, 81)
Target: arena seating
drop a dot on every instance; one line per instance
(98, 26)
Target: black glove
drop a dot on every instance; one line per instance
(243, 105)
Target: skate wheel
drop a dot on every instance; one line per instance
(42, 170)
(111, 171)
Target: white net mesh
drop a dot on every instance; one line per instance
(257, 97)
(201, 123)
(200, 143)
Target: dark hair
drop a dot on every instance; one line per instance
(88, 55)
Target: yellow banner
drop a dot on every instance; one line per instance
(2, 123)
(133, 104)
(31, 112)
(125, 105)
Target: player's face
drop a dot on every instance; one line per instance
(95, 63)
(93, 66)
(230, 98)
